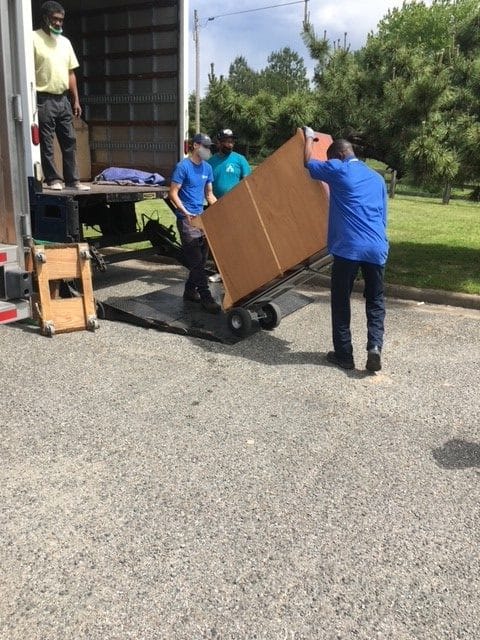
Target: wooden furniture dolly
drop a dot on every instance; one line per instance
(52, 265)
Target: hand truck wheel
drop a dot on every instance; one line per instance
(239, 321)
(271, 318)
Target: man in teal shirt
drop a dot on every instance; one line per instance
(229, 167)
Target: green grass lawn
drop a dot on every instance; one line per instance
(145, 210)
(434, 246)
(156, 209)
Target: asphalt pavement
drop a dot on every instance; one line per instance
(155, 486)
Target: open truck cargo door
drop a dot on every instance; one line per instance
(133, 89)
(132, 80)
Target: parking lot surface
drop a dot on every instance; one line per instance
(155, 486)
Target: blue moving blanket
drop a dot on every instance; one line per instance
(129, 176)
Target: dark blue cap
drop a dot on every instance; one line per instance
(203, 139)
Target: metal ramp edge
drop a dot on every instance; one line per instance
(165, 310)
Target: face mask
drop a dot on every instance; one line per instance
(54, 30)
(204, 153)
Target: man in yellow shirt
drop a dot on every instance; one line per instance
(55, 62)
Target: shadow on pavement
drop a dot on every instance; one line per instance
(457, 454)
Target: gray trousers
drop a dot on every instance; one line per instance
(55, 117)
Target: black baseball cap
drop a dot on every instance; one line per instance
(203, 139)
(226, 133)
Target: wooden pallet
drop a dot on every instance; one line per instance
(52, 265)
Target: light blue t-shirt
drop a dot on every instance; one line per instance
(193, 178)
(228, 170)
(357, 219)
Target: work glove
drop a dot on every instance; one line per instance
(308, 132)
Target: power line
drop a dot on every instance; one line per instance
(271, 6)
(196, 39)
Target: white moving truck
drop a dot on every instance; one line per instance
(133, 88)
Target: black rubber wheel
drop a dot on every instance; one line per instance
(100, 310)
(239, 321)
(272, 317)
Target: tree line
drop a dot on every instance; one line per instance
(410, 97)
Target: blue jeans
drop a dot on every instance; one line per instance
(344, 273)
(195, 253)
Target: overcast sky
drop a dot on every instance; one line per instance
(255, 34)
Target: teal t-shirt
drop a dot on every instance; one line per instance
(228, 170)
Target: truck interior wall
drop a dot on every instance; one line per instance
(128, 79)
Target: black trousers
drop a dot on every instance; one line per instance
(55, 117)
(344, 273)
(195, 253)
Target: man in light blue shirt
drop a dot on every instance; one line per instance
(191, 184)
(357, 240)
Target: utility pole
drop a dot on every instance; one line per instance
(196, 39)
(306, 15)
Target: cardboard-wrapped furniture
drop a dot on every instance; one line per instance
(269, 233)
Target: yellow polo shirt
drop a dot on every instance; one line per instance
(54, 59)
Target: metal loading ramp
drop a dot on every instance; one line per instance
(165, 310)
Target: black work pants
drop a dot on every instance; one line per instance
(344, 273)
(55, 117)
(195, 253)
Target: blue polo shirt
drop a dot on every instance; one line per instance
(193, 178)
(228, 170)
(357, 219)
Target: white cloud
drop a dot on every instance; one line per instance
(355, 18)
(255, 34)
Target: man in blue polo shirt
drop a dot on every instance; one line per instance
(357, 240)
(191, 184)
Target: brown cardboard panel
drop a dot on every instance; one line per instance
(83, 151)
(292, 205)
(239, 243)
(321, 144)
(272, 221)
